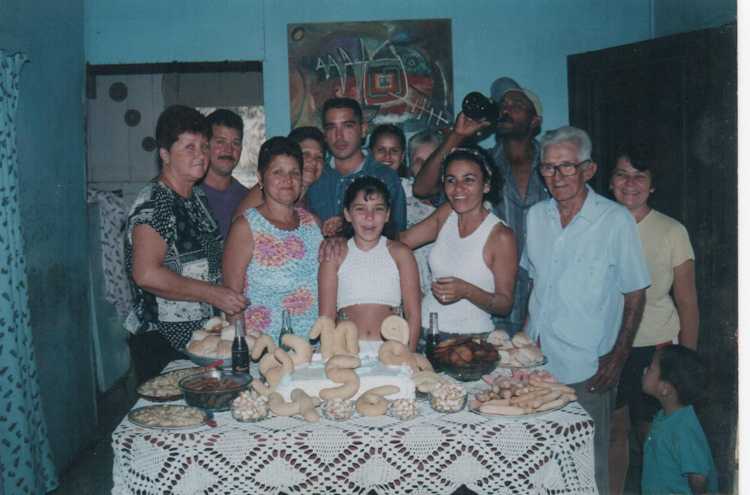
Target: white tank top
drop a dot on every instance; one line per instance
(368, 277)
(452, 256)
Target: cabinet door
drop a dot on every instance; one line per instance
(678, 94)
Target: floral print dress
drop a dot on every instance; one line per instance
(283, 274)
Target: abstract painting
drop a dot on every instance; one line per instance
(401, 72)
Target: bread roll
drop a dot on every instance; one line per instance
(205, 347)
(199, 335)
(224, 349)
(213, 324)
(521, 340)
(498, 338)
(227, 333)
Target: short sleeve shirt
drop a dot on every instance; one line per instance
(580, 274)
(326, 195)
(223, 203)
(675, 447)
(194, 249)
(666, 246)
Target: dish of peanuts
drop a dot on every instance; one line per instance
(521, 394)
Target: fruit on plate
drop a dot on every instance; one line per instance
(464, 351)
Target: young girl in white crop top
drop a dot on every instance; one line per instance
(374, 275)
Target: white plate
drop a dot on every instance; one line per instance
(135, 416)
(513, 416)
(511, 367)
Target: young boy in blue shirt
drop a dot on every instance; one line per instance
(676, 455)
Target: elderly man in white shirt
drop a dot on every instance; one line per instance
(584, 256)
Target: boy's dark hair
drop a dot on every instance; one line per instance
(227, 118)
(684, 370)
(276, 146)
(176, 120)
(369, 186)
(299, 134)
(332, 103)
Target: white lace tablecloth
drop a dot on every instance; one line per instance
(433, 453)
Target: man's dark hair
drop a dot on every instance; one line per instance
(684, 370)
(277, 146)
(226, 118)
(332, 103)
(176, 120)
(300, 134)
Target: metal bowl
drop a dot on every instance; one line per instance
(213, 390)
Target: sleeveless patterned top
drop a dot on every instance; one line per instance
(283, 274)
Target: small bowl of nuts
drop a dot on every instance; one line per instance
(250, 407)
(448, 397)
(403, 409)
(337, 409)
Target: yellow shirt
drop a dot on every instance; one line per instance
(666, 245)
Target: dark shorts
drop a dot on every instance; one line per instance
(642, 407)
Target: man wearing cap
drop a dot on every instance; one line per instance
(516, 156)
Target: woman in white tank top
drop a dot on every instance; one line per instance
(374, 275)
(473, 260)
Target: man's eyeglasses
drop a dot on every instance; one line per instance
(565, 169)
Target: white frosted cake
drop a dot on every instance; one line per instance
(372, 373)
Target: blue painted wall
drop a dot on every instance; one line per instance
(528, 40)
(53, 210)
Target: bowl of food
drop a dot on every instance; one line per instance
(213, 390)
(448, 397)
(466, 359)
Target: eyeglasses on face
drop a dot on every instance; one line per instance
(565, 169)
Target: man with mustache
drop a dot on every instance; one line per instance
(345, 129)
(223, 191)
(516, 157)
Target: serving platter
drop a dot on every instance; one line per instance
(514, 367)
(168, 417)
(164, 387)
(530, 415)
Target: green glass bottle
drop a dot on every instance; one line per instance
(286, 328)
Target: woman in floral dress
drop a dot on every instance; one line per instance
(271, 252)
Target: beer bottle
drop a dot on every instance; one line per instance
(286, 328)
(431, 339)
(240, 351)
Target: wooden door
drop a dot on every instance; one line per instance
(678, 94)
